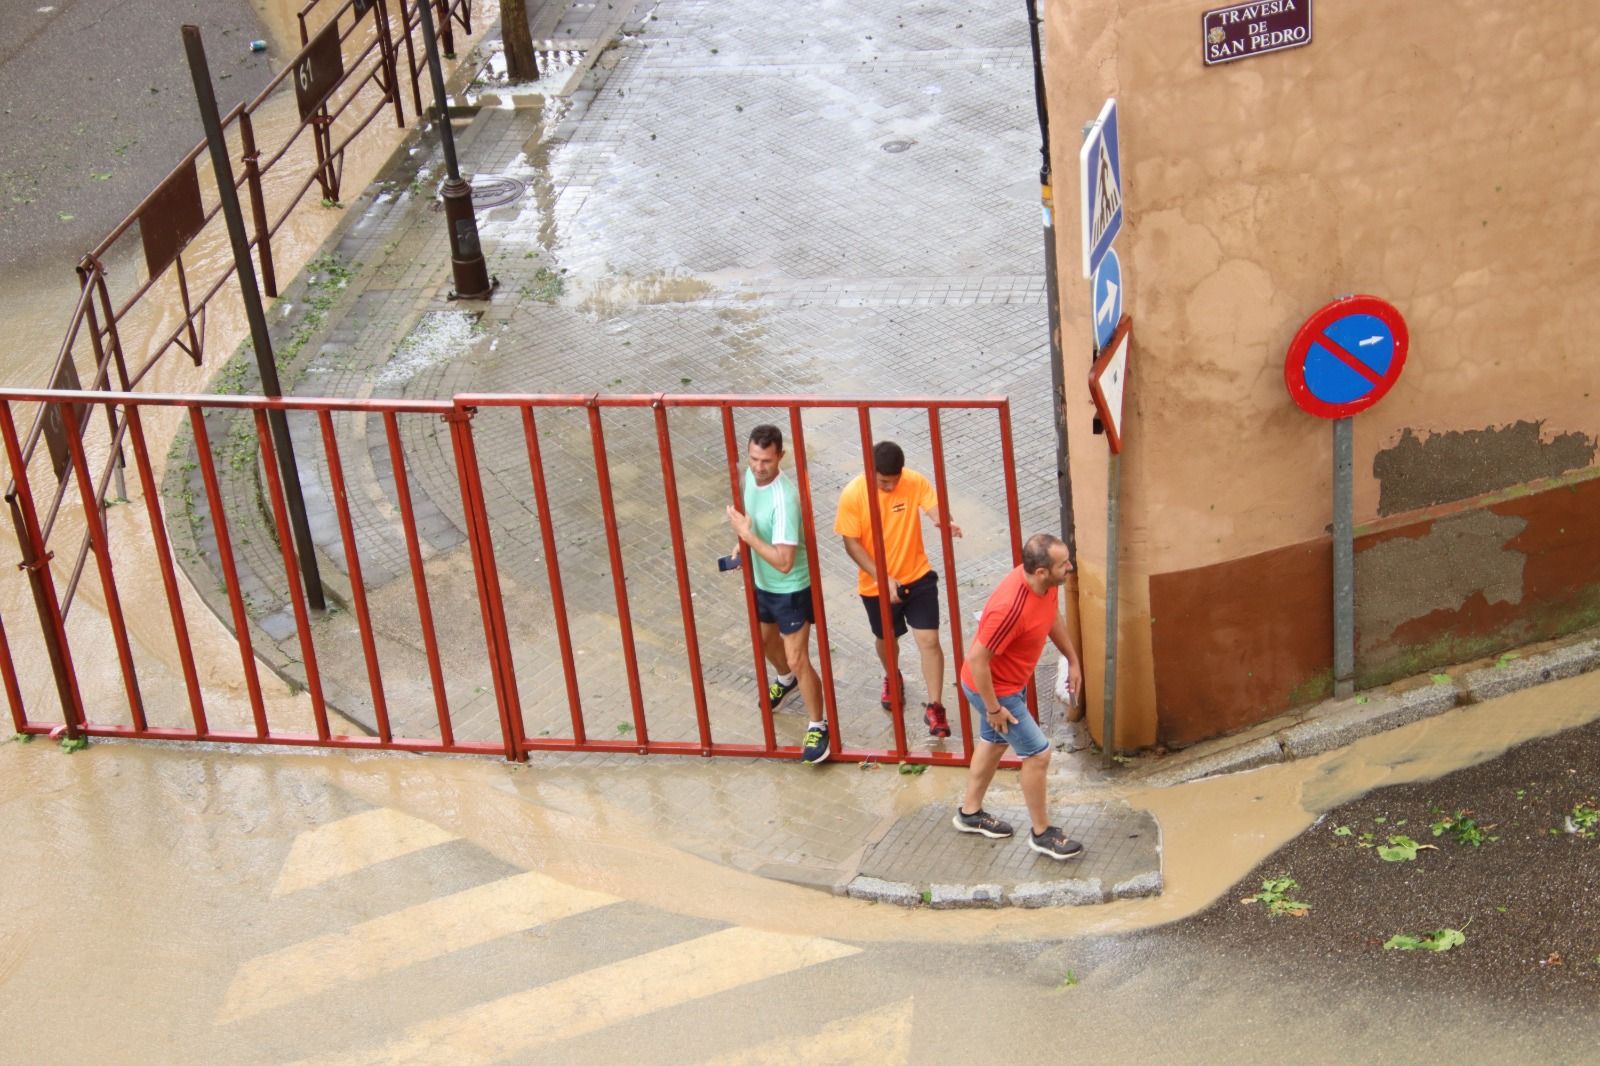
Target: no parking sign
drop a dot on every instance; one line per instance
(1346, 357)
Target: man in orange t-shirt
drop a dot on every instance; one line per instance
(904, 496)
(1022, 612)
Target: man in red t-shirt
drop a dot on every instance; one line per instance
(1021, 613)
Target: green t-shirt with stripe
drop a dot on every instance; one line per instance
(774, 510)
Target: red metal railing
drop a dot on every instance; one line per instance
(441, 729)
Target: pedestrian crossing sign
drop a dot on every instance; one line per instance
(1100, 171)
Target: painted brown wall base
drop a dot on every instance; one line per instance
(1238, 642)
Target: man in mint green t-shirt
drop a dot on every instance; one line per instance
(771, 525)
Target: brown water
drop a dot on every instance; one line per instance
(197, 874)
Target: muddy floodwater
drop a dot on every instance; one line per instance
(281, 907)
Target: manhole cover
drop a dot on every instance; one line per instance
(894, 147)
(495, 191)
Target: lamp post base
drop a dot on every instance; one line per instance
(467, 265)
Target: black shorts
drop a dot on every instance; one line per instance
(787, 610)
(918, 607)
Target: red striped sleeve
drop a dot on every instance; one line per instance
(999, 626)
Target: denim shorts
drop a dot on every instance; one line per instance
(1024, 735)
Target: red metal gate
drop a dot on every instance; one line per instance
(399, 718)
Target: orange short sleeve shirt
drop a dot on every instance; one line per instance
(902, 525)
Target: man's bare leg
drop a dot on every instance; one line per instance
(985, 761)
(772, 646)
(1033, 778)
(932, 662)
(797, 650)
(888, 655)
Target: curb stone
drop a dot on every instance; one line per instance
(1138, 887)
(1513, 675)
(1256, 753)
(951, 897)
(1075, 893)
(1350, 720)
(876, 890)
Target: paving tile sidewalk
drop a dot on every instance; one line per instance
(726, 199)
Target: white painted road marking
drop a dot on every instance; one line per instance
(416, 934)
(602, 997)
(881, 1037)
(339, 848)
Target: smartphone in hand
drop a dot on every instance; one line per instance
(728, 562)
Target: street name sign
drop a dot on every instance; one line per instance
(1107, 298)
(1108, 382)
(1240, 31)
(1346, 357)
(1100, 171)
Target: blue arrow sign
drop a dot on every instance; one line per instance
(1100, 171)
(1107, 293)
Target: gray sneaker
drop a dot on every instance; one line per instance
(982, 822)
(1053, 843)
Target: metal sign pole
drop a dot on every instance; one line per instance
(1053, 301)
(1108, 726)
(261, 340)
(1344, 578)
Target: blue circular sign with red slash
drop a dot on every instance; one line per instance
(1346, 357)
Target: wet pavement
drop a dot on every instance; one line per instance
(705, 207)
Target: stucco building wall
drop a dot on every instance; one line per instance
(1437, 153)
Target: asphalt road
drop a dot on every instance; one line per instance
(97, 105)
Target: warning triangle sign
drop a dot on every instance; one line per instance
(1108, 196)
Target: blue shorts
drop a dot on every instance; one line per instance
(1024, 735)
(787, 610)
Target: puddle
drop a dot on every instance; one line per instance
(490, 87)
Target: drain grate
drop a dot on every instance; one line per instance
(492, 190)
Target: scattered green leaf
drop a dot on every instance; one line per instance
(1583, 819)
(1464, 827)
(1402, 848)
(1276, 893)
(1437, 940)
(1343, 831)
(70, 745)
(913, 769)
(624, 728)
(1068, 979)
